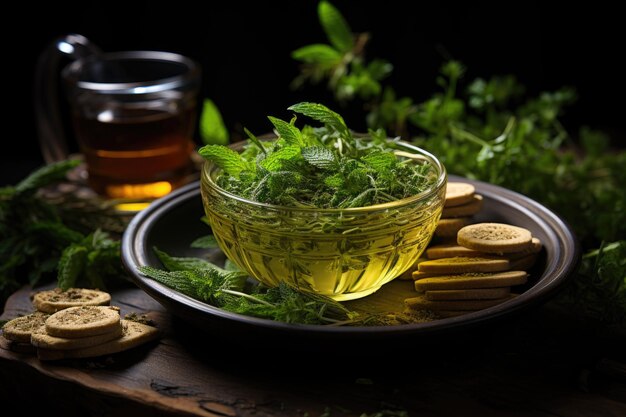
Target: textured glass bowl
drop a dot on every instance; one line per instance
(340, 253)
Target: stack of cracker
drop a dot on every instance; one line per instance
(475, 272)
(460, 205)
(77, 323)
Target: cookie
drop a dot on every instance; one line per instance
(134, 334)
(84, 321)
(494, 238)
(55, 300)
(422, 303)
(17, 347)
(533, 249)
(473, 294)
(20, 329)
(465, 210)
(450, 250)
(421, 275)
(463, 264)
(448, 228)
(41, 339)
(471, 281)
(458, 193)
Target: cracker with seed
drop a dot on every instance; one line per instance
(495, 238)
(463, 264)
(472, 294)
(41, 339)
(458, 193)
(84, 321)
(448, 228)
(134, 334)
(422, 303)
(21, 328)
(471, 281)
(55, 300)
(465, 210)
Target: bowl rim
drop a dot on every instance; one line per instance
(441, 181)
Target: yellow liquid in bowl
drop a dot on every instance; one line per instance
(340, 256)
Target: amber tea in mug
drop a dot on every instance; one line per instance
(134, 116)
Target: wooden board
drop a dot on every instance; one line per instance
(538, 365)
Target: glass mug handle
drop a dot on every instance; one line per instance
(52, 140)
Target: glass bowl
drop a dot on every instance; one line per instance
(340, 253)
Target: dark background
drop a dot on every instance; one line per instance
(244, 49)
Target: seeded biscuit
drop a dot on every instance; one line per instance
(20, 329)
(14, 346)
(134, 334)
(450, 250)
(472, 294)
(448, 228)
(55, 300)
(84, 321)
(422, 303)
(41, 339)
(458, 193)
(464, 210)
(495, 238)
(471, 281)
(463, 264)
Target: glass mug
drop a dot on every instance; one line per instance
(133, 115)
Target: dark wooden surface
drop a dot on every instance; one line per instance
(541, 363)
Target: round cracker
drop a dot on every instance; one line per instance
(458, 193)
(20, 329)
(55, 300)
(83, 321)
(495, 237)
(465, 210)
(41, 339)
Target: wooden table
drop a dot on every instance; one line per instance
(542, 363)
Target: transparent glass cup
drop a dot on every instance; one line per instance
(341, 253)
(133, 115)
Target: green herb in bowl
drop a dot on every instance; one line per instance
(320, 208)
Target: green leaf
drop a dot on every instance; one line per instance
(335, 26)
(379, 160)
(275, 161)
(225, 158)
(255, 140)
(46, 175)
(173, 263)
(212, 128)
(319, 156)
(287, 131)
(322, 114)
(205, 242)
(71, 265)
(318, 53)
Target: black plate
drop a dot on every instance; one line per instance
(173, 222)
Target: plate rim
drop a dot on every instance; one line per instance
(140, 225)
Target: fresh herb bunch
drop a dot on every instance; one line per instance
(228, 289)
(323, 167)
(34, 236)
(489, 129)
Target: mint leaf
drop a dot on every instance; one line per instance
(275, 161)
(71, 265)
(205, 242)
(46, 175)
(212, 128)
(317, 53)
(319, 156)
(173, 263)
(322, 114)
(287, 131)
(227, 159)
(335, 26)
(255, 140)
(379, 160)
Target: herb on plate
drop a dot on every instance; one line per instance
(229, 289)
